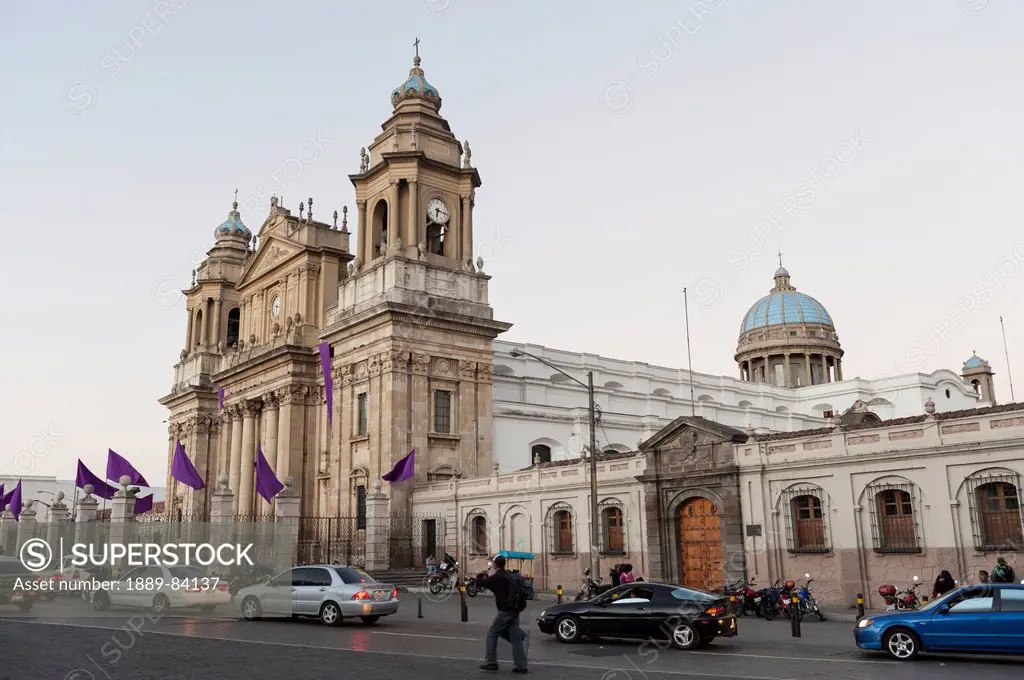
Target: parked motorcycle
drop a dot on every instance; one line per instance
(589, 588)
(747, 599)
(898, 600)
(473, 588)
(770, 600)
(808, 605)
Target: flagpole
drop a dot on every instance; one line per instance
(1007, 352)
(689, 362)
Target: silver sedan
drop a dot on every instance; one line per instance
(329, 592)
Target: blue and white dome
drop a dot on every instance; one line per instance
(975, 362)
(784, 305)
(416, 87)
(232, 226)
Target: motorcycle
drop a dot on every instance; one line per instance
(445, 578)
(589, 588)
(807, 603)
(771, 600)
(900, 600)
(472, 587)
(747, 599)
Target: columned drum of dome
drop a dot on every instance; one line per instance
(788, 338)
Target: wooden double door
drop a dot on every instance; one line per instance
(700, 544)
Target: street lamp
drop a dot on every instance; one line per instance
(589, 385)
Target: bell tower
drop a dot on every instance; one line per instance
(412, 329)
(416, 186)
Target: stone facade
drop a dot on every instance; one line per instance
(862, 505)
(520, 511)
(692, 503)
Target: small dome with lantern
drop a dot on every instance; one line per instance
(233, 226)
(416, 86)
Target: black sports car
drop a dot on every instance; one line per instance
(686, 617)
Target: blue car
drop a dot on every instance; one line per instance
(975, 619)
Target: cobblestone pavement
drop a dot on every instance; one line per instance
(64, 640)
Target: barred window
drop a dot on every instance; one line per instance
(478, 535)
(612, 530)
(442, 411)
(561, 529)
(362, 416)
(360, 507)
(806, 526)
(893, 518)
(995, 512)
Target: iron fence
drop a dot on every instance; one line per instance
(413, 538)
(331, 540)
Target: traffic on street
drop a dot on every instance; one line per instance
(67, 639)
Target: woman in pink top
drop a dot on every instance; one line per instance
(627, 574)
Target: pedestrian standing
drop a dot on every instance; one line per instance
(510, 598)
(983, 576)
(943, 584)
(627, 574)
(1002, 572)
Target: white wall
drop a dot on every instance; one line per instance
(529, 406)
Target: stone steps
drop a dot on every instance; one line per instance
(403, 579)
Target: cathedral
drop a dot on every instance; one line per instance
(788, 467)
(406, 314)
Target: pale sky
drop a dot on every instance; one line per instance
(626, 153)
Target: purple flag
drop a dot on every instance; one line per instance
(220, 398)
(15, 501)
(403, 470)
(267, 484)
(118, 466)
(99, 487)
(143, 504)
(325, 365)
(183, 470)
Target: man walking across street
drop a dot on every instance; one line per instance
(510, 598)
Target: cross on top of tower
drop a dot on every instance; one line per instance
(417, 46)
(780, 257)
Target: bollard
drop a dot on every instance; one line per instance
(794, 615)
(558, 593)
(860, 606)
(465, 608)
(924, 599)
(419, 607)
(732, 604)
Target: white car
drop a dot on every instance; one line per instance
(161, 589)
(69, 574)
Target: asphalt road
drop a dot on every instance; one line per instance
(65, 640)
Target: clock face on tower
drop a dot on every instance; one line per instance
(275, 307)
(437, 211)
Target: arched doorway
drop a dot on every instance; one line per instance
(700, 544)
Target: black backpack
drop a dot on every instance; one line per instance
(517, 593)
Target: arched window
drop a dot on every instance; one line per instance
(478, 535)
(379, 227)
(613, 537)
(561, 529)
(234, 320)
(998, 505)
(806, 529)
(893, 519)
(540, 453)
(197, 333)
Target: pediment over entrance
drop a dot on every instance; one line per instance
(692, 442)
(273, 252)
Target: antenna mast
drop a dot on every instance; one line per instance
(1006, 351)
(689, 361)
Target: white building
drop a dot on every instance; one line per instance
(535, 406)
